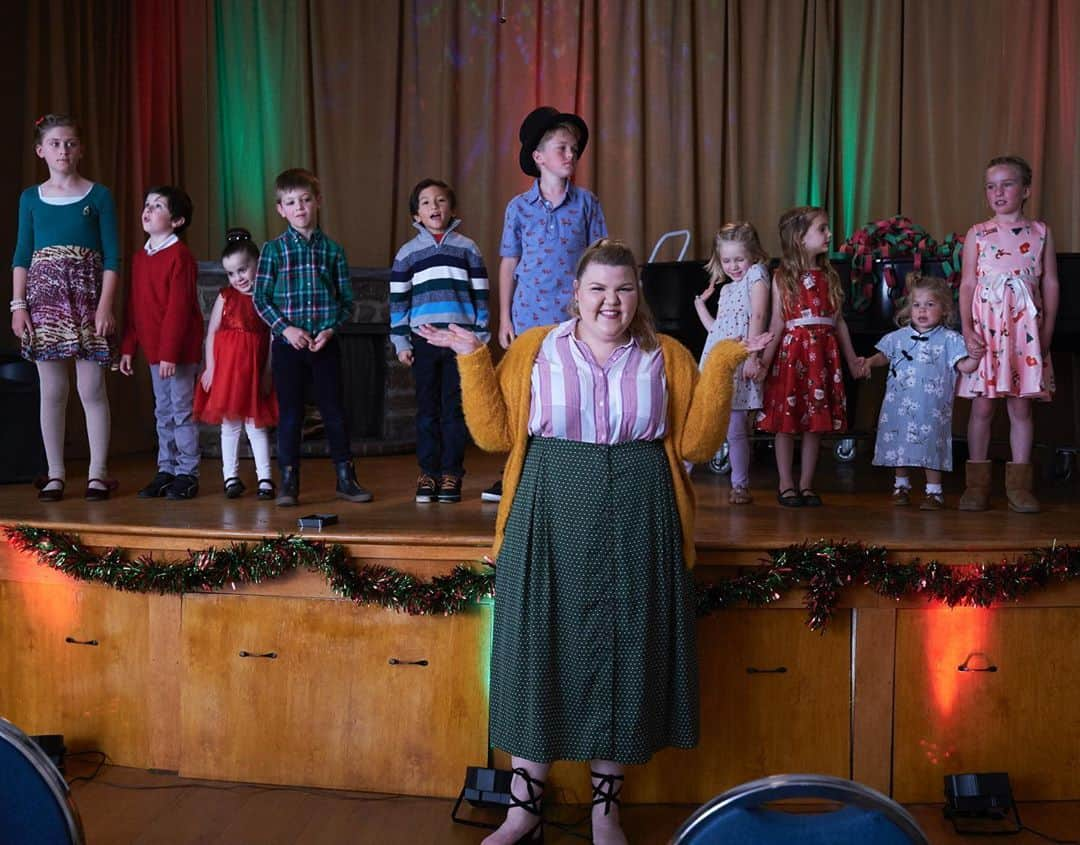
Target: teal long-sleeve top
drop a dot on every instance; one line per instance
(90, 222)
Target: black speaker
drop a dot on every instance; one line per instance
(485, 788)
(22, 454)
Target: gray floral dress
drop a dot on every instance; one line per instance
(915, 425)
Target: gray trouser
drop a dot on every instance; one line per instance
(178, 435)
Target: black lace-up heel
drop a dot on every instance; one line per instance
(607, 791)
(535, 788)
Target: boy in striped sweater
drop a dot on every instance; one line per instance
(438, 278)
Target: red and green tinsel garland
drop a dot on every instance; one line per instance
(896, 237)
(823, 569)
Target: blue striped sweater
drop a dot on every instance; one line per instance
(437, 284)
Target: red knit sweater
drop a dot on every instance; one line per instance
(163, 315)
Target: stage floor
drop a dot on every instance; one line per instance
(857, 507)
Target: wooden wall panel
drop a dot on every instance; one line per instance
(1023, 718)
(330, 710)
(95, 695)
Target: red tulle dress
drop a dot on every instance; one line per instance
(241, 345)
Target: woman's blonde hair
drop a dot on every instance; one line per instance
(935, 286)
(794, 259)
(735, 233)
(612, 253)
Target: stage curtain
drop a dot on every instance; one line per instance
(984, 78)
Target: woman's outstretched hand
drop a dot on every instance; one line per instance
(461, 341)
(758, 342)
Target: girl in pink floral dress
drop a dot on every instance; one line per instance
(1008, 305)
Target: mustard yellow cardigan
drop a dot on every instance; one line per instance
(496, 404)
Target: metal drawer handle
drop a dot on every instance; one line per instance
(74, 641)
(270, 655)
(779, 670)
(986, 665)
(393, 661)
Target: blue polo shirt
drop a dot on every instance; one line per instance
(548, 240)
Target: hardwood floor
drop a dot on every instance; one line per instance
(124, 806)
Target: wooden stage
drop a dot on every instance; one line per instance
(396, 527)
(185, 683)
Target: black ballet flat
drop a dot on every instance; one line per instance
(266, 489)
(53, 495)
(234, 488)
(789, 497)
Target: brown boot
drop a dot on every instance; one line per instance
(1018, 479)
(977, 492)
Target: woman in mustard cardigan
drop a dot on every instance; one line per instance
(593, 651)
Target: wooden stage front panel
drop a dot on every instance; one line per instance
(876, 697)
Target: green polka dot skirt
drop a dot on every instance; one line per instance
(593, 652)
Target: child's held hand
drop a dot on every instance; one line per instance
(506, 334)
(758, 342)
(321, 339)
(405, 356)
(460, 340)
(104, 322)
(166, 369)
(207, 378)
(297, 338)
(125, 365)
(21, 324)
(752, 369)
(975, 344)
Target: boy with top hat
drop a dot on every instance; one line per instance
(545, 230)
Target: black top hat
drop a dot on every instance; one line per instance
(536, 124)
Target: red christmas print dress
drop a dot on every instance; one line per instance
(804, 390)
(241, 345)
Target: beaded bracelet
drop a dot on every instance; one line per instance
(18, 305)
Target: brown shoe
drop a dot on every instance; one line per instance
(740, 496)
(901, 497)
(977, 487)
(932, 502)
(1018, 482)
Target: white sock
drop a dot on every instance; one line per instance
(902, 482)
(933, 489)
(260, 449)
(230, 447)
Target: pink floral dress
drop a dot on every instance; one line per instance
(1005, 313)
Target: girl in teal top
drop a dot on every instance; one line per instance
(64, 283)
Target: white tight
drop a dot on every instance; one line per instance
(55, 379)
(230, 447)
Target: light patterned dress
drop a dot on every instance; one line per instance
(915, 425)
(733, 321)
(1005, 313)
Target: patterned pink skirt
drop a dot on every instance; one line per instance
(63, 287)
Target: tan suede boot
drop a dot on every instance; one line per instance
(977, 490)
(1018, 480)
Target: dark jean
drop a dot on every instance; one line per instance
(440, 422)
(293, 370)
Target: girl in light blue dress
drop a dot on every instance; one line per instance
(924, 359)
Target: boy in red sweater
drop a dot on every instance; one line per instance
(163, 317)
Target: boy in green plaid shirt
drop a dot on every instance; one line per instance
(303, 292)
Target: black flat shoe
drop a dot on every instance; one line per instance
(810, 499)
(266, 489)
(234, 488)
(789, 497)
(53, 495)
(100, 494)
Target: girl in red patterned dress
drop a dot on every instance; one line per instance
(1008, 305)
(235, 390)
(804, 388)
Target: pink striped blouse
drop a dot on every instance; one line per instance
(574, 398)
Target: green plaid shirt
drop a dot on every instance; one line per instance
(303, 283)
